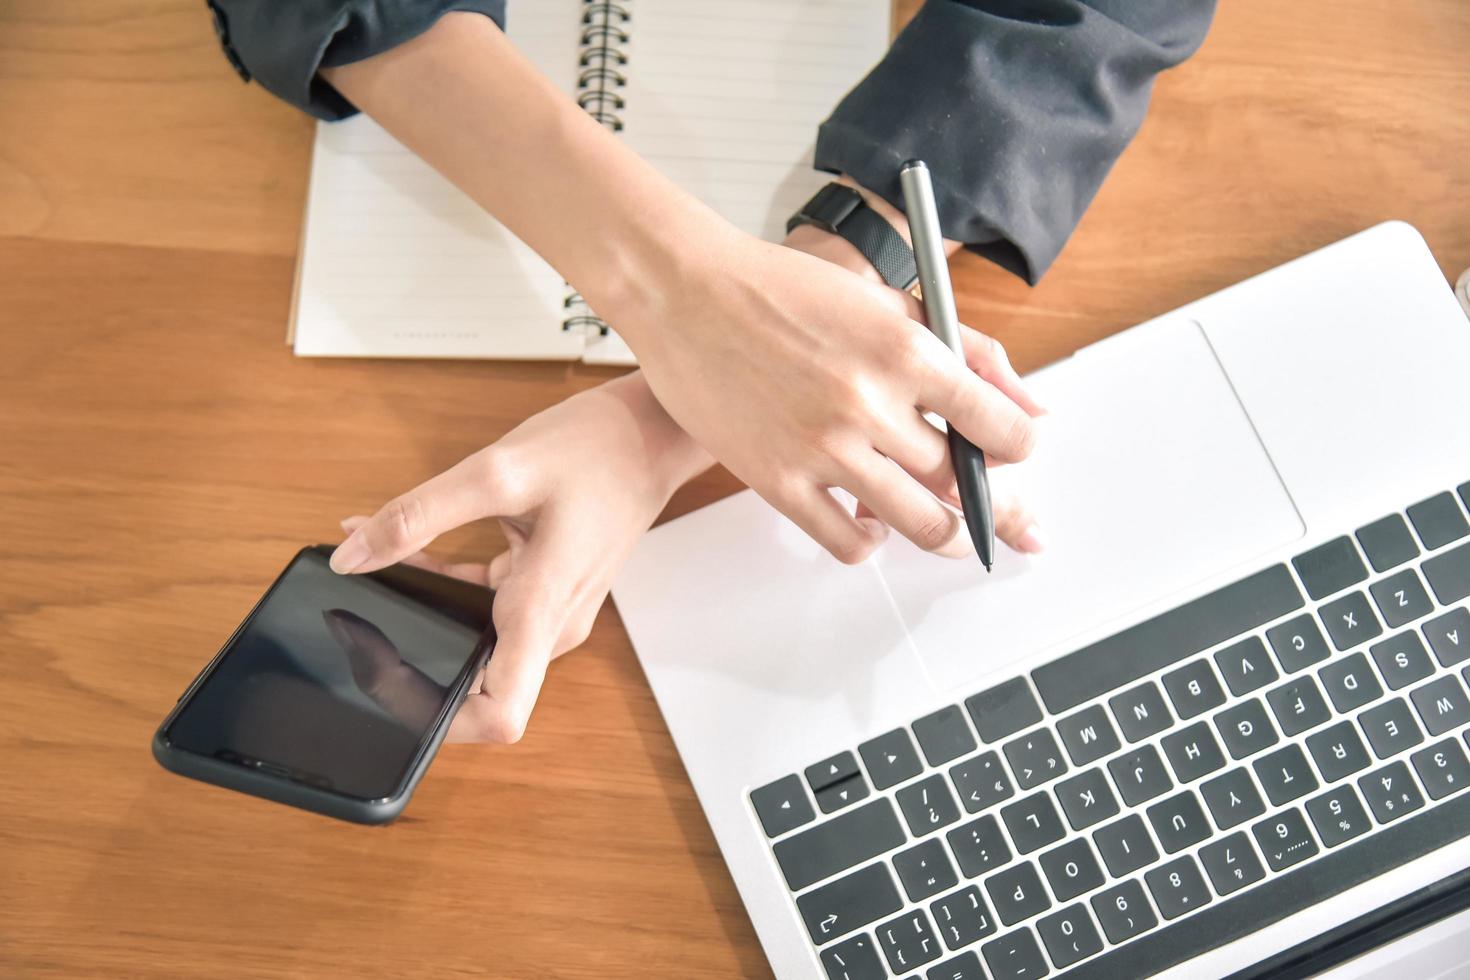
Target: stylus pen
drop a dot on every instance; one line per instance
(969, 461)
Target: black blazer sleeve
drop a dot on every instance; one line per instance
(1020, 108)
(282, 43)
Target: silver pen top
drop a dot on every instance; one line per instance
(929, 257)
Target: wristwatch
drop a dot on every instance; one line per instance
(841, 210)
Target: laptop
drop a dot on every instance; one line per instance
(1218, 729)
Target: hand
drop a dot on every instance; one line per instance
(574, 488)
(1014, 522)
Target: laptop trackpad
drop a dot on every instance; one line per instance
(1149, 478)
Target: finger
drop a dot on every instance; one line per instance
(476, 572)
(923, 451)
(380, 672)
(988, 358)
(982, 412)
(849, 539)
(897, 500)
(1016, 525)
(474, 488)
(527, 628)
(500, 567)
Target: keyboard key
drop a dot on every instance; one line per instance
(1442, 705)
(1330, 568)
(924, 870)
(1088, 735)
(1350, 683)
(890, 758)
(1349, 620)
(1125, 846)
(1140, 775)
(1284, 839)
(1338, 815)
(979, 846)
(962, 918)
(1299, 888)
(1123, 911)
(839, 795)
(1390, 792)
(781, 806)
(1246, 729)
(1449, 574)
(1449, 636)
(1193, 752)
(853, 959)
(1442, 768)
(848, 903)
(1232, 798)
(1004, 710)
(965, 966)
(1177, 887)
(1464, 490)
(1231, 864)
(1285, 775)
(1387, 542)
(982, 782)
(1016, 893)
(908, 941)
(1298, 643)
(1246, 666)
(828, 772)
(1401, 598)
(841, 843)
(1438, 520)
(1298, 705)
(1140, 712)
(943, 736)
(1069, 935)
(1035, 758)
(1166, 639)
(927, 805)
(1179, 822)
(1071, 870)
(1087, 799)
(1390, 728)
(1338, 751)
(1014, 956)
(1402, 659)
(1033, 822)
(1194, 689)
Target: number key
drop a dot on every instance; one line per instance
(1390, 792)
(1069, 935)
(1123, 911)
(1231, 864)
(1337, 815)
(1442, 768)
(1178, 887)
(1284, 839)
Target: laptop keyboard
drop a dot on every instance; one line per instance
(1160, 792)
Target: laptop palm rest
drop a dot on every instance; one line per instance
(1149, 478)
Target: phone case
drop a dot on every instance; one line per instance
(274, 783)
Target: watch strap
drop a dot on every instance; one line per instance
(840, 210)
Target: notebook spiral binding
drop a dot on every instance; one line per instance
(603, 43)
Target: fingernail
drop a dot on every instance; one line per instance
(1032, 542)
(350, 555)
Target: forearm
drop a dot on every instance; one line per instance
(464, 99)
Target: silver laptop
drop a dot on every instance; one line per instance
(1219, 727)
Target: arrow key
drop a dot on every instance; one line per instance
(890, 758)
(782, 806)
(822, 774)
(839, 795)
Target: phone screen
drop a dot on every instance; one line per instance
(336, 680)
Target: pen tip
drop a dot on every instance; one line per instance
(987, 566)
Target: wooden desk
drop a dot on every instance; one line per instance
(162, 454)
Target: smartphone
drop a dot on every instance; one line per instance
(336, 691)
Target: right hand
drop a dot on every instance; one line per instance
(800, 376)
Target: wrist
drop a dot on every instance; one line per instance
(671, 455)
(834, 248)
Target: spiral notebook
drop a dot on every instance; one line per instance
(723, 97)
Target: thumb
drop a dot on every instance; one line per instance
(474, 488)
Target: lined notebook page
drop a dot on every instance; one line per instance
(725, 98)
(396, 262)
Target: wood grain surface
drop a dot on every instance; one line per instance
(162, 454)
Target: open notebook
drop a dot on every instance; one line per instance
(723, 97)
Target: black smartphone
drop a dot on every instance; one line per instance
(335, 692)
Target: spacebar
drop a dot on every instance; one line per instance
(1168, 638)
(1313, 882)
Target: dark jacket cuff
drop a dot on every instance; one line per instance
(1020, 110)
(281, 44)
